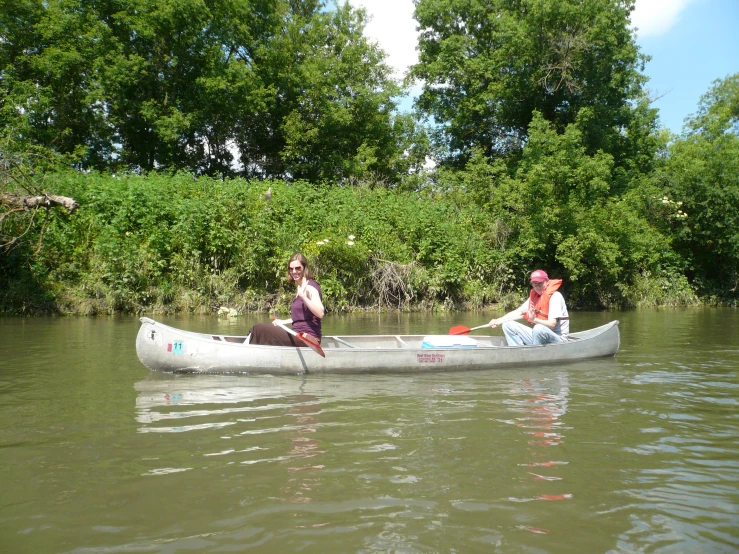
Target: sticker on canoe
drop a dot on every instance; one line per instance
(430, 358)
(154, 337)
(176, 347)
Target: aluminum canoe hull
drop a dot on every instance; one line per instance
(164, 348)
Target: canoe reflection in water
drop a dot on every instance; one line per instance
(303, 446)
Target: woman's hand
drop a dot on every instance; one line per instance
(302, 289)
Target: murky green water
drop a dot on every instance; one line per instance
(639, 453)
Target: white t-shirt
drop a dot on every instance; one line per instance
(557, 310)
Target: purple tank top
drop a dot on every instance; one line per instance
(305, 321)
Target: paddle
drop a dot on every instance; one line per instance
(307, 339)
(462, 330)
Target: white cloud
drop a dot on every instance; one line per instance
(656, 17)
(393, 27)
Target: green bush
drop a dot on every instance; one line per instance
(160, 243)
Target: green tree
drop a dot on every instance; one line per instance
(51, 95)
(702, 174)
(556, 209)
(331, 112)
(488, 65)
(179, 75)
(284, 88)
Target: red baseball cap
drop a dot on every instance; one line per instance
(539, 276)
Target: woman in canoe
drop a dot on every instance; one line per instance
(306, 310)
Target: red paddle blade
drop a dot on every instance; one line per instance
(313, 343)
(459, 330)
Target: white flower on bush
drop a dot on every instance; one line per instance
(350, 242)
(351, 237)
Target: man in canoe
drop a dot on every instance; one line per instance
(545, 309)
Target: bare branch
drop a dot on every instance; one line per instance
(653, 99)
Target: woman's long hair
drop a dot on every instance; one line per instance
(306, 268)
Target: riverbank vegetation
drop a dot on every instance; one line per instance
(199, 150)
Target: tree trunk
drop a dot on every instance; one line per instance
(33, 202)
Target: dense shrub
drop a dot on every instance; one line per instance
(169, 243)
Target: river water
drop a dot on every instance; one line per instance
(637, 453)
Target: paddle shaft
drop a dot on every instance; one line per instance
(313, 346)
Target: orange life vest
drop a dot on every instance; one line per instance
(539, 304)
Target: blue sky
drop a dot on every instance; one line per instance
(692, 43)
(700, 46)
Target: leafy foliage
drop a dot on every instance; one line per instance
(488, 65)
(181, 243)
(702, 174)
(558, 210)
(218, 87)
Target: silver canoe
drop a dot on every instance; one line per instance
(165, 348)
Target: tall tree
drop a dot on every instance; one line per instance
(50, 86)
(702, 174)
(181, 74)
(330, 114)
(487, 65)
(287, 88)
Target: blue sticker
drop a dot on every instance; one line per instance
(178, 347)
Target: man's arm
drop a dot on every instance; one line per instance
(551, 323)
(510, 316)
